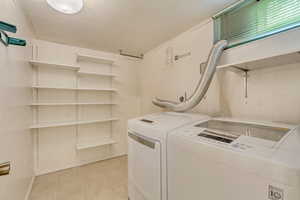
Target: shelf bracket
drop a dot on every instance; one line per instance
(177, 57)
(245, 74)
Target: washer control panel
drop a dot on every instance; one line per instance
(241, 146)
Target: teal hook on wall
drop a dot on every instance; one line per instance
(5, 39)
(8, 27)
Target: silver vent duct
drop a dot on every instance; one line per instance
(202, 85)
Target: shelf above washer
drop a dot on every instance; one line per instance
(59, 124)
(273, 61)
(36, 63)
(96, 143)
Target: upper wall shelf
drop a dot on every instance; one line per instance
(88, 58)
(64, 88)
(266, 62)
(36, 63)
(71, 104)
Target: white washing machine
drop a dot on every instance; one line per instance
(147, 152)
(226, 159)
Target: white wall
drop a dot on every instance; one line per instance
(15, 114)
(172, 81)
(273, 92)
(56, 147)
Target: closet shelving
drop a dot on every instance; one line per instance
(81, 72)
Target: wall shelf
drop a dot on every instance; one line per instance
(96, 74)
(59, 124)
(284, 59)
(65, 88)
(70, 104)
(36, 63)
(96, 143)
(95, 59)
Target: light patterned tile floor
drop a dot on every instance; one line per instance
(104, 180)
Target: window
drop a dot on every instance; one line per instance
(253, 19)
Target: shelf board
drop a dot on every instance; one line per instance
(93, 144)
(36, 63)
(289, 58)
(96, 74)
(96, 59)
(69, 104)
(58, 124)
(64, 88)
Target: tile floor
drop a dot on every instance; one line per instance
(104, 180)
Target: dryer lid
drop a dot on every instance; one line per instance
(159, 124)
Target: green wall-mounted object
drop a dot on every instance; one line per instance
(8, 27)
(16, 41)
(6, 40)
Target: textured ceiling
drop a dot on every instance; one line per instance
(109, 25)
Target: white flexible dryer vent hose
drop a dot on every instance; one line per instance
(203, 83)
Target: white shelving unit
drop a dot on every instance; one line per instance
(90, 84)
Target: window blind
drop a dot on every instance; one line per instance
(252, 20)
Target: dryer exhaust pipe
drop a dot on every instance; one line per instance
(202, 85)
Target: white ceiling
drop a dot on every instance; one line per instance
(135, 26)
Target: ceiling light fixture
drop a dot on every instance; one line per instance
(66, 6)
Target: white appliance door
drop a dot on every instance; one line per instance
(144, 168)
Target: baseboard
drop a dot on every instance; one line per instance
(29, 188)
(43, 172)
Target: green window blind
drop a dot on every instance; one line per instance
(251, 20)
